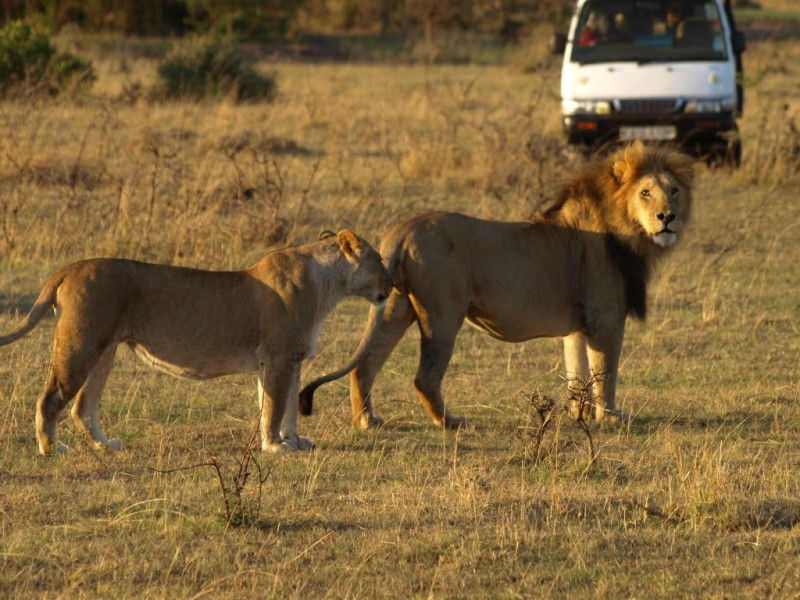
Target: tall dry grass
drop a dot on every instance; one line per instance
(697, 496)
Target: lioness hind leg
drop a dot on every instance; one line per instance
(397, 317)
(48, 409)
(85, 408)
(58, 391)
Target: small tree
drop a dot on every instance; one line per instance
(28, 60)
(213, 70)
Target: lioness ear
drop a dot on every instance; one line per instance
(349, 244)
(325, 234)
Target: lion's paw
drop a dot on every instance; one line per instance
(616, 415)
(450, 422)
(581, 410)
(365, 421)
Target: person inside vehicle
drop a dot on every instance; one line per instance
(674, 17)
(595, 29)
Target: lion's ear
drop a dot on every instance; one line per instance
(682, 166)
(621, 170)
(325, 234)
(349, 244)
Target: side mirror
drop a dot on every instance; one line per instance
(558, 43)
(738, 42)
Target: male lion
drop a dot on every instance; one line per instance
(198, 325)
(576, 271)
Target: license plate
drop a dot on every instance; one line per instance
(654, 132)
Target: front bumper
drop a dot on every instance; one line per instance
(700, 133)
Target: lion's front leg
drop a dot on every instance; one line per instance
(604, 354)
(278, 388)
(578, 374)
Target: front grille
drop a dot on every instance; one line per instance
(648, 106)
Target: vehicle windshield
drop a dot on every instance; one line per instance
(648, 31)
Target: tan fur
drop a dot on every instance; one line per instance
(576, 271)
(199, 325)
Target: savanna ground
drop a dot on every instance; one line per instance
(698, 496)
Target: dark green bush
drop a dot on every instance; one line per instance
(67, 70)
(214, 70)
(24, 53)
(28, 60)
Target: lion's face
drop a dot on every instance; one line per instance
(658, 202)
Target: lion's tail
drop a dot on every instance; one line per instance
(45, 301)
(306, 401)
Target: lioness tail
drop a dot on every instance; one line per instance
(45, 301)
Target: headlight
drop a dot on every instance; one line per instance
(714, 105)
(590, 107)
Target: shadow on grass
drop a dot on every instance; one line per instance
(746, 422)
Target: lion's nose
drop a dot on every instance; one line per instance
(666, 217)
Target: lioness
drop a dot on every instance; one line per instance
(198, 325)
(577, 270)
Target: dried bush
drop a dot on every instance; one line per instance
(213, 70)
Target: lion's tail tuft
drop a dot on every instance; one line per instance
(306, 400)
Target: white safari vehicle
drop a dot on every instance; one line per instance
(665, 70)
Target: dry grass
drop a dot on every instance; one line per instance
(698, 496)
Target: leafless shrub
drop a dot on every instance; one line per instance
(239, 512)
(550, 417)
(260, 183)
(582, 402)
(545, 409)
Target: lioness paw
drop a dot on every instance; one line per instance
(276, 447)
(289, 444)
(295, 442)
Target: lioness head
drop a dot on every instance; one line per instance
(654, 185)
(369, 278)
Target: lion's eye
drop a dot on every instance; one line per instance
(645, 193)
(674, 191)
